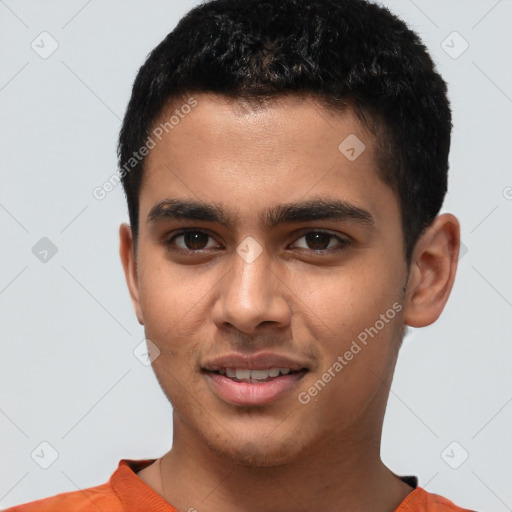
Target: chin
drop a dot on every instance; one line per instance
(258, 451)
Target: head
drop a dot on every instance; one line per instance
(303, 145)
(343, 54)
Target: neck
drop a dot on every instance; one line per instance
(345, 475)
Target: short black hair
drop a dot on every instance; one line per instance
(342, 53)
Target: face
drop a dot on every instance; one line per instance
(270, 275)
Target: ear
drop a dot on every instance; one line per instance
(432, 272)
(129, 261)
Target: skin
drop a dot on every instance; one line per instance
(292, 300)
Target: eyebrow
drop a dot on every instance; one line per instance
(316, 209)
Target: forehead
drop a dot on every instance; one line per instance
(248, 156)
(256, 117)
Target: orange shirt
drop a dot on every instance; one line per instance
(126, 492)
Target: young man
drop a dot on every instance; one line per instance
(284, 165)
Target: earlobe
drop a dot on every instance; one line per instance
(432, 272)
(129, 261)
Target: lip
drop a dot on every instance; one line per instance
(257, 393)
(252, 393)
(258, 361)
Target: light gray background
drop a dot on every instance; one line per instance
(68, 373)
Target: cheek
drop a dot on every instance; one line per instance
(170, 306)
(345, 300)
(354, 315)
(168, 294)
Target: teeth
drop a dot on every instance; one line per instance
(243, 374)
(259, 374)
(246, 374)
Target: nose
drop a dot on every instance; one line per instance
(252, 294)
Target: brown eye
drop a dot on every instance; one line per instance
(320, 241)
(193, 241)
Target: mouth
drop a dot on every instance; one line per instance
(253, 386)
(255, 376)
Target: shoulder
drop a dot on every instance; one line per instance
(97, 498)
(123, 491)
(420, 500)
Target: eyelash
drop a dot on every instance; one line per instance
(343, 243)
